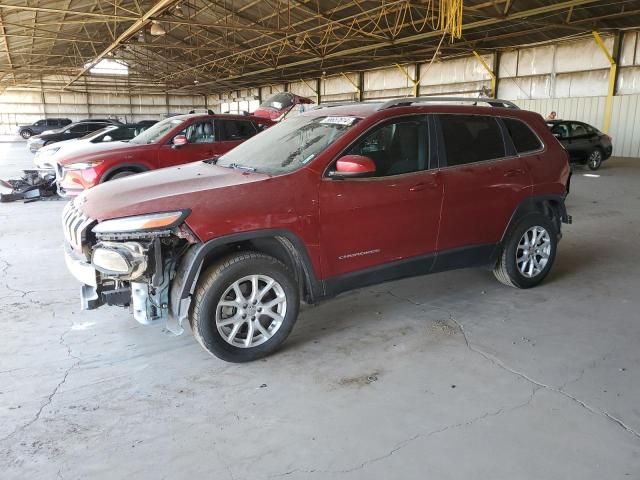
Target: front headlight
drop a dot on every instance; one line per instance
(153, 221)
(82, 165)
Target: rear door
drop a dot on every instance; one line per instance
(393, 216)
(201, 145)
(232, 133)
(484, 181)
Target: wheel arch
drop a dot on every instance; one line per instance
(278, 243)
(133, 167)
(551, 206)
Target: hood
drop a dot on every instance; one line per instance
(167, 189)
(87, 151)
(58, 145)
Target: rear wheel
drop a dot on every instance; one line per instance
(528, 252)
(26, 134)
(594, 161)
(244, 307)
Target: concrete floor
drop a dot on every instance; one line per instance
(447, 376)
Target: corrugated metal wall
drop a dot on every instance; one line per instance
(623, 128)
(569, 77)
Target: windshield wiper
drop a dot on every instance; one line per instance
(241, 167)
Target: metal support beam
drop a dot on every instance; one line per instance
(414, 81)
(318, 90)
(494, 79)
(314, 90)
(613, 68)
(141, 22)
(358, 88)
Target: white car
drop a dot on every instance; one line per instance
(45, 158)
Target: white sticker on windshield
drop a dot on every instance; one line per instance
(339, 120)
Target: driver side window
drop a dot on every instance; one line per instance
(395, 147)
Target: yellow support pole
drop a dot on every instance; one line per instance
(489, 71)
(608, 106)
(414, 89)
(352, 83)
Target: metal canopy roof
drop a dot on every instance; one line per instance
(220, 45)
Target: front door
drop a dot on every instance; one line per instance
(201, 145)
(392, 216)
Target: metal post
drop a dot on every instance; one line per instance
(357, 87)
(613, 72)
(489, 71)
(318, 90)
(414, 81)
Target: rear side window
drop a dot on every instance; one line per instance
(471, 138)
(524, 140)
(236, 129)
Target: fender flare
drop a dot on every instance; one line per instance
(137, 167)
(539, 204)
(190, 267)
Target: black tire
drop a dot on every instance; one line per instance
(122, 174)
(595, 158)
(507, 270)
(215, 282)
(26, 134)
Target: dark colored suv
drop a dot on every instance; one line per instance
(27, 131)
(331, 200)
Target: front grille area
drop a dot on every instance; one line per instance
(75, 225)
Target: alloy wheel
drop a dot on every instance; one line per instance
(251, 310)
(595, 159)
(533, 251)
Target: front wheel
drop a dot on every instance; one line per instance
(528, 252)
(122, 174)
(244, 307)
(595, 159)
(26, 134)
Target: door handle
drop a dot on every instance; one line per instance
(514, 172)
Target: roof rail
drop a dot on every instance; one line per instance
(403, 102)
(337, 104)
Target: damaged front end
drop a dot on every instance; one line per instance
(128, 261)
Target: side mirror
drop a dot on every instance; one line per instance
(107, 138)
(179, 141)
(354, 166)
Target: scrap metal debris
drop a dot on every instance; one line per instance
(34, 185)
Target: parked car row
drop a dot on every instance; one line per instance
(46, 157)
(68, 132)
(268, 215)
(173, 141)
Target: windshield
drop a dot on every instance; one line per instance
(288, 145)
(97, 132)
(156, 132)
(278, 101)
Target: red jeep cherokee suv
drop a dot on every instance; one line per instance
(173, 141)
(331, 200)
